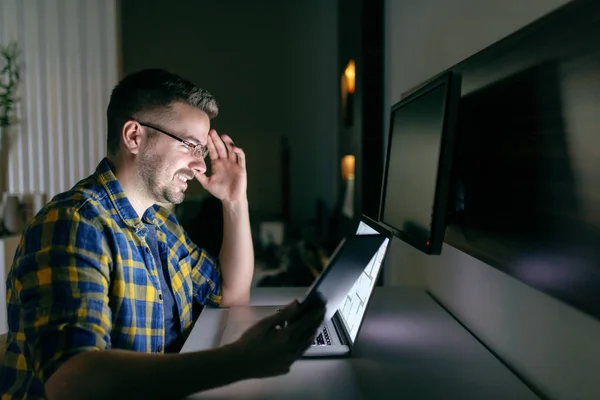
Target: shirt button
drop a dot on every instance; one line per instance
(147, 250)
(160, 296)
(159, 349)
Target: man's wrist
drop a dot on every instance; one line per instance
(235, 206)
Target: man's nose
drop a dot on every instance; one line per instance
(198, 165)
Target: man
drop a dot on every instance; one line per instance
(104, 279)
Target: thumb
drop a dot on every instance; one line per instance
(282, 315)
(203, 179)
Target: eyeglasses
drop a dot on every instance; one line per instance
(198, 150)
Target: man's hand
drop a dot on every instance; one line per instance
(275, 342)
(228, 181)
(266, 349)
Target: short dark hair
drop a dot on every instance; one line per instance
(151, 91)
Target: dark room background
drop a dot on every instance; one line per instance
(272, 65)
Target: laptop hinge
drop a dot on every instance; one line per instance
(340, 329)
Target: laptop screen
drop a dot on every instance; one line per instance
(354, 305)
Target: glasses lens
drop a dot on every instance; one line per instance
(200, 151)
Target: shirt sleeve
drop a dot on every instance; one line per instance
(61, 279)
(206, 275)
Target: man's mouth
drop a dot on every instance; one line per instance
(183, 178)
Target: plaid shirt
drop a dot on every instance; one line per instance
(84, 278)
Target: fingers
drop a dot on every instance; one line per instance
(307, 326)
(234, 152)
(309, 320)
(282, 316)
(202, 178)
(292, 340)
(241, 157)
(229, 145)
(212, 151)
(302, 336)
(308, 307)
(223, 147)
(218, 143)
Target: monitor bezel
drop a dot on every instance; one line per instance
(433, 246)
(380, 228)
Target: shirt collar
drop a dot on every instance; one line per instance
(127, 213)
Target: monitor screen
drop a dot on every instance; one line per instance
(353, 308)
(418, 165)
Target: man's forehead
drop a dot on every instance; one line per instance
(193, 123)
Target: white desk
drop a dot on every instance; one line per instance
(408, 348)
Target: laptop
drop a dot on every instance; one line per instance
(346, 284)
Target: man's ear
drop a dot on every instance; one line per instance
(132, 136)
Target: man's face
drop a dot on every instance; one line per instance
(165, 164)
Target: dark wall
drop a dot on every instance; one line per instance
(528, 159)
(272, 65)
(361, 39)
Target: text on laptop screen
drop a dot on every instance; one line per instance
(355, 303)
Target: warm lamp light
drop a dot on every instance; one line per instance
(350, 75)
(348, 162)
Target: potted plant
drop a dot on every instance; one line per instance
(9, 80)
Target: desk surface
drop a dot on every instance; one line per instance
(409, 347)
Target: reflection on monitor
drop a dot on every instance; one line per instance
(353, 308)
(419, 161)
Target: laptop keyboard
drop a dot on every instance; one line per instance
(322, 338)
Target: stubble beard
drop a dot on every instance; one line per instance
(151, 177)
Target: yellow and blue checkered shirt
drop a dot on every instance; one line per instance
(84, 278)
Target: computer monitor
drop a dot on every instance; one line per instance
(355, 304)
(417, 171)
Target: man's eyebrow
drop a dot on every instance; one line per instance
(191, 139)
